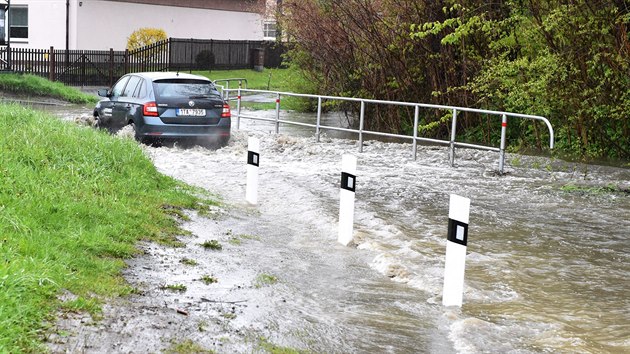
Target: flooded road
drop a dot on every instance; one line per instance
(548, 261)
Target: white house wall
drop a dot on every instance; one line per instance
(95, 24)
(46, 24)
(105, 24)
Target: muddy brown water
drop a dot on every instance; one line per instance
(547, 265)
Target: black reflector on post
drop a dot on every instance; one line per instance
(457, 232)
(348, 181)
(253, 158)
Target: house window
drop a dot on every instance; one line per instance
(2, 30)
(18, 22)
(269, 30)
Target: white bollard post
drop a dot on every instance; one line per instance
(458, 214)
(346, 198)
(253, 160)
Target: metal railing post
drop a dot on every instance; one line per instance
(502, 147)
(361, 120)
(278, 113)
(238, 108)
(453, 133)
(415, 132)
(319, 117)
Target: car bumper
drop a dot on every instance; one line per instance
(154, 127)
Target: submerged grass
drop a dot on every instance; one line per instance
(73, 203)
(38, 86)
(281, 79)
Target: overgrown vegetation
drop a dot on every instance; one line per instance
(32, 85)
(566, 60)
(73, 203)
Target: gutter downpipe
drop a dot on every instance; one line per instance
(67, 24)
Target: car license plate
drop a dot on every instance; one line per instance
(191, 112)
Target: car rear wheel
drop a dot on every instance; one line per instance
(143, 139)
(135, 131)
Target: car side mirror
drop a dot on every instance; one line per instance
(103, 92)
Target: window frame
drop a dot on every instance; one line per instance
(9, 26)
(131, 86)
(270, 26)
(123, 82)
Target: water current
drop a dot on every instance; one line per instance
(548, 261)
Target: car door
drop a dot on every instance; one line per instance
(119, 111)
(128, 103)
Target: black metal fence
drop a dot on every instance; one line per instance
(104, 67)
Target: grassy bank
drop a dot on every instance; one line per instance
(284, 80)
(31, 85)
(73, 202)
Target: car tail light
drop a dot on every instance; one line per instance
(226, 111)
(150, 109)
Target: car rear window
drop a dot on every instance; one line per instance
(184, 88)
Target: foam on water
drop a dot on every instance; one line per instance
(401, 218)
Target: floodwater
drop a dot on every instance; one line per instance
(548, 261)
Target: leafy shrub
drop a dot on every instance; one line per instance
(145, 36)
(205, 60)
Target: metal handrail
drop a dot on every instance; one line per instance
(452, 143)
(226, 89)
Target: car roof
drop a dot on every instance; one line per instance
(158, 75)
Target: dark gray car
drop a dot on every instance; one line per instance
(164, 105)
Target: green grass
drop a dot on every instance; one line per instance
(283, 80)
(572, 188)
(209, 279)
(38, 86)
(73, 203)
(212, 245)
(265, 279)
(186, 347)
(188, 261)
(175, 287)
(265, 345)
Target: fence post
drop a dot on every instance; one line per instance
(416, 115)
(111, 66)
(126, 68)
(278, 113)
(361, 119)
(170, 54)
(238, 108)
(51, 64)
(190, 65)
(502, 147)
(82, 68)
(319, 116)
(453, 132)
